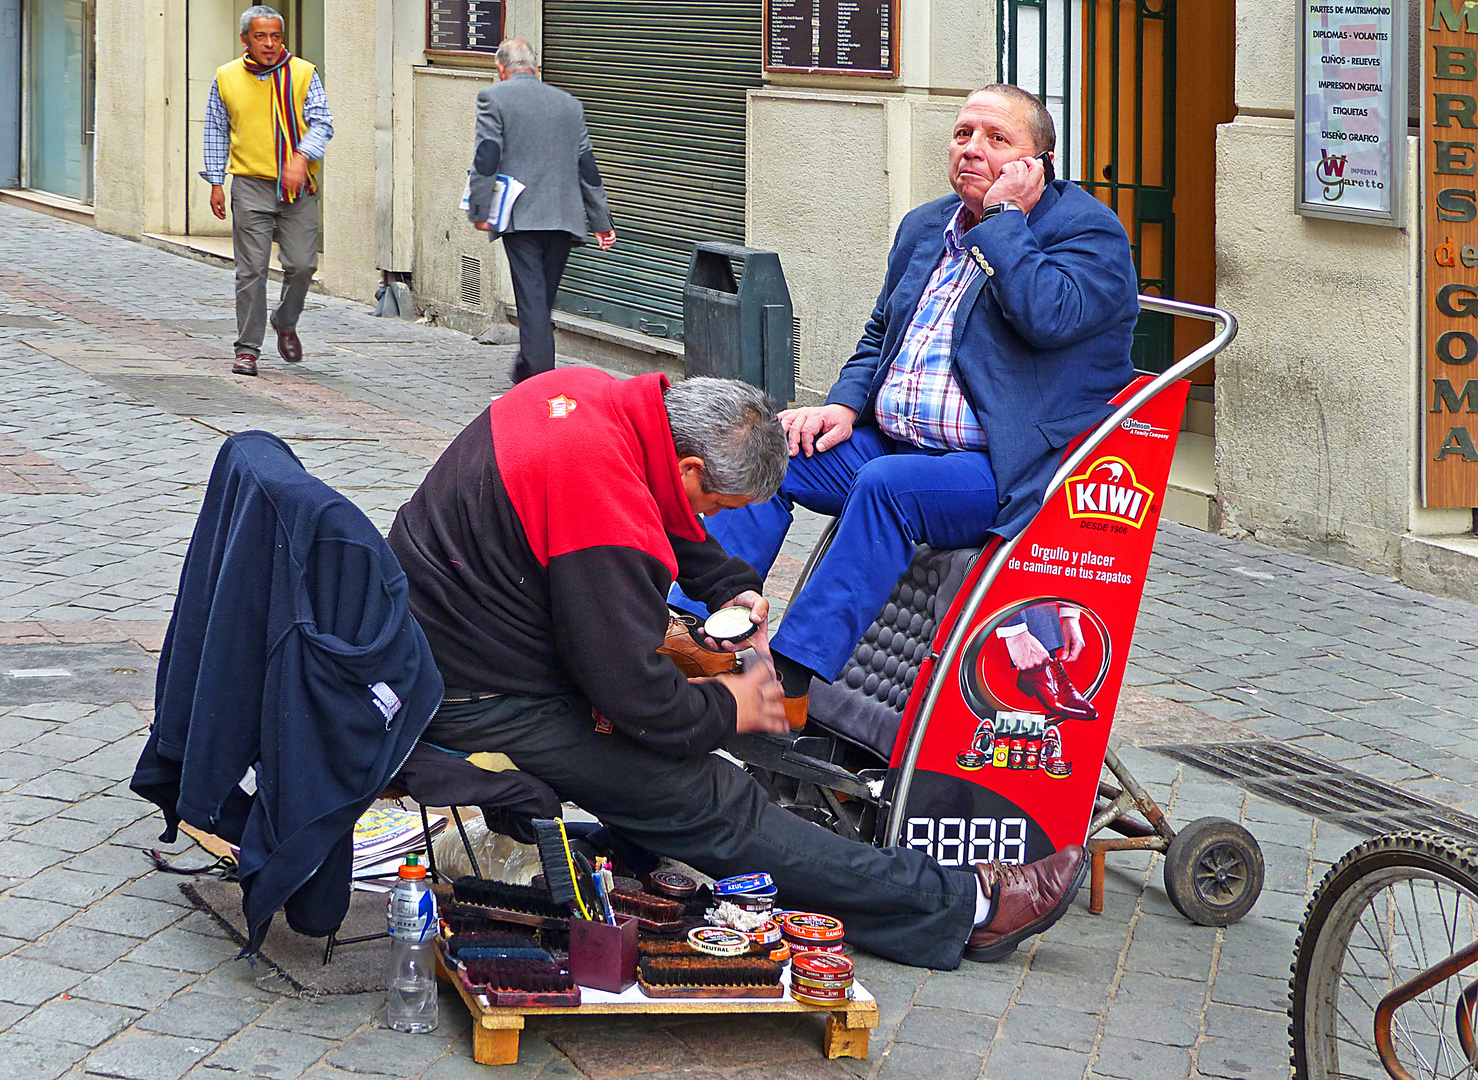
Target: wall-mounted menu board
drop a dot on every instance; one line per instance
(838, 37)
(472, 27)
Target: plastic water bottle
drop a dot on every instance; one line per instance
(411, 1001)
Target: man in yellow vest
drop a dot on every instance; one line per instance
(267, 123)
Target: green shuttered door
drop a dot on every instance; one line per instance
(663, 87)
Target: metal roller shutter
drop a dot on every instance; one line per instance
(663, 87)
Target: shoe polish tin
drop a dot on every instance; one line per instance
(727, 888)
(808, 996)
(671, 886)
(822, 971)
(808, 931)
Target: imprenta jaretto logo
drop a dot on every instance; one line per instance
(1109, 490)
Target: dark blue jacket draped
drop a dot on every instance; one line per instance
(291, 608)
(1041, 341)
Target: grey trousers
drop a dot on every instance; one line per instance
(705, 811)
(258, 218)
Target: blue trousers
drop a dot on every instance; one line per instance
(887, 497)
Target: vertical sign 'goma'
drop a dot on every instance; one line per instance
(1450, 270)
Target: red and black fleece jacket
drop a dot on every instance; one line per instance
(541, 546)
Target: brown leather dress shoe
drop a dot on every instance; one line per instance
(1049, 685)
(246, 364)
(796, 709)
(288, 346)
(691, 658)
(1025, 900)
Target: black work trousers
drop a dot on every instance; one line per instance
(705, 811)
(536, 261)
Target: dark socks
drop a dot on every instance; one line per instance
(795, 678)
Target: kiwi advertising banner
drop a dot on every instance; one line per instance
(1009, 765)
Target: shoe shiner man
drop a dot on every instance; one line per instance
(1001, 332)
(267, 123)
(540, 549)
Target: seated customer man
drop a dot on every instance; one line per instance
(540, 549)
(1002, 330)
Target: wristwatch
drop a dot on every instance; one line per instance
(999, 208)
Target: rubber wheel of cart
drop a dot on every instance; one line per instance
(1394, 906)
(1213, 871)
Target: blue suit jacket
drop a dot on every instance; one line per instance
(1041, 338)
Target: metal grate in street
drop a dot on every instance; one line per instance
(1315, 785)
(189, 395)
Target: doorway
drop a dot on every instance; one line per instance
(1146, 90)
(213, 40)
(60, 86)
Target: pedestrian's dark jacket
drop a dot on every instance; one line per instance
(290, 645)
(541, 546)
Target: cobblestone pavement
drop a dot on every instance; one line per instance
(112, 370)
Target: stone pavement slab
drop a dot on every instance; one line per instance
(114, 377)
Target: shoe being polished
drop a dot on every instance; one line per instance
(1025, 900)
(691, 658)
(1049, 684)
(288, 346)
(246, 364)
(796, 710)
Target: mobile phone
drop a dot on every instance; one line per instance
(1049, 173)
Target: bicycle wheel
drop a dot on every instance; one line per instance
(1391, 908)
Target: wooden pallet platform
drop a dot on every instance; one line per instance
(495, 1031)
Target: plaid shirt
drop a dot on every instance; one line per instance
(921, 401)
(218, 129)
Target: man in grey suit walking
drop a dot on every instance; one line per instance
(536, 134)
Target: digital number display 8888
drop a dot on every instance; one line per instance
(957, 841)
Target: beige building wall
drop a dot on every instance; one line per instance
(348, 264)
(449, 252)
(1317, 401)
(140, 148)
(835, 163)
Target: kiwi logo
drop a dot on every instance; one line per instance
(561, 407)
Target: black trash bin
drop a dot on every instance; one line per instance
(739, 328)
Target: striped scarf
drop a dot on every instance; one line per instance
(284, 119)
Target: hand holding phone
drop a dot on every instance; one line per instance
(1048, 172)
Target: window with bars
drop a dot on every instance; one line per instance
(1106, 71)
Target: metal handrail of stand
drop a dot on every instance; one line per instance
(944, 662)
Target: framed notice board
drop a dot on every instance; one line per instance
(463, 27)
(833, 37)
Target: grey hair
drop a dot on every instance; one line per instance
(260, 11)
(515, 54)
(732, 427)
(1038, 119)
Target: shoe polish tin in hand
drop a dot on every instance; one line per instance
(729, 625)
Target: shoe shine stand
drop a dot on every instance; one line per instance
(931, 738)
(495, 1030)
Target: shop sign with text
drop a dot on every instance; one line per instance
(1450, 263)
(1351, 110)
